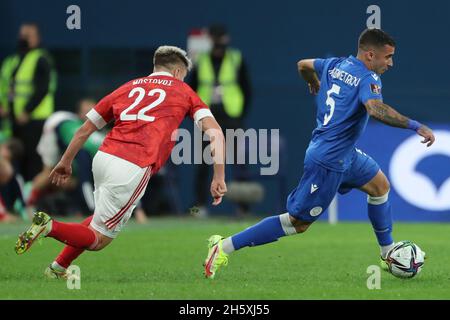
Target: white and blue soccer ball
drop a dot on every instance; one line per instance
(405, 259)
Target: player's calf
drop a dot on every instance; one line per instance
(57, 269)
(268, 230)
(379, 211)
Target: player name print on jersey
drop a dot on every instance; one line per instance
(163, 82)
(345, 77)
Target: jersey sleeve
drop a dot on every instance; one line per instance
(370, 88)
(198, 109)
(102, 113)
(318, 66)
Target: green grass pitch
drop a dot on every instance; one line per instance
(163, 260)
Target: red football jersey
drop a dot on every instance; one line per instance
(146, 112)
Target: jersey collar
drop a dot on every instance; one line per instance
(161, 73)
(356, 60)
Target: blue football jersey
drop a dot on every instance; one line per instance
(345, 85)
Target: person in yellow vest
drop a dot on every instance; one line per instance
(6, 71)
(27, 89)
(221, 79)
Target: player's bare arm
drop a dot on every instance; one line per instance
(388, 115)
(218, 186)
(306, 70)
(63, 170)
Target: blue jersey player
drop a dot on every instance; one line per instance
(348, 91)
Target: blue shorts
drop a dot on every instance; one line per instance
(319, 185)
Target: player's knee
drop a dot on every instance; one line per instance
(300, 226)
(101, 242)
(99, 246)
(387, 186)
(381, 188)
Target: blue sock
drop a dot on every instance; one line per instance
(266, 231)
(380, 216)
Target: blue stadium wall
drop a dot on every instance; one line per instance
(272, 37)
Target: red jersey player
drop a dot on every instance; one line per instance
(146, 111)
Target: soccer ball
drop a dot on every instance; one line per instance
(405, 259)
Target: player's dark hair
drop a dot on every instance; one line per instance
(168, 56)
(376, 38)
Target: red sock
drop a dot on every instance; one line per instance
(74, 234)
(68, 254)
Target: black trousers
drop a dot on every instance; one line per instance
(29, 134)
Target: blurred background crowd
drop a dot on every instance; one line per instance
(35, 133)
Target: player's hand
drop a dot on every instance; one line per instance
(218, 190)
(314, 87)
(428, 135)
(61, 173)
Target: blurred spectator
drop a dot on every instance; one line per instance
(27, 88)
(6, 169)
(221, 79)
(58, 131)
(11, 197)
